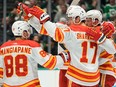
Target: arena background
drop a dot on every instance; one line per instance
(49, 78)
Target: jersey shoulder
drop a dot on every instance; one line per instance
(80, 28)
(30, 43)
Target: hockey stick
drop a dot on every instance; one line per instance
(75, 2)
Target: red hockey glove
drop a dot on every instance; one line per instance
(25, 11)
(65, 55)
(40, 14)
(99, 37)
(108, 29)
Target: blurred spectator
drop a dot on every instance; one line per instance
(61, 13)
(36, 37)
(44, 41)
(63, 20)
(60, 4)
(27, 2)
(9, 33)
(103, 3)
(83, 5)
(33, 3)
(110, 10)
(69, 1)
(13, 14)
(90, 4)
(44, 5)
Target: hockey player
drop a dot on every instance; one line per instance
(63, 81)
(83, 69)
(19, 59)
(94, 19)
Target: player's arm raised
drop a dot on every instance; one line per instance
(54, 31)
(51, 28)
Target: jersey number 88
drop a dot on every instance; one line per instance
(17, 65)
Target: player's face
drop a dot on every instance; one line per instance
(25, 35)
(77, 19)
(95, 23)
(73, 21)
(89, 22)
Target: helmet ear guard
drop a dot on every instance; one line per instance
(19, 27)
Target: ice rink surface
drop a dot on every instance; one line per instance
(48, 78)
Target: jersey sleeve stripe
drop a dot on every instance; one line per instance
(59, 35)
(103, 80)
(1, 72)
(107, 66)
(106, 55)
(50, 64)
(43, 31)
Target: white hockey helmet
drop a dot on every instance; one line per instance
(94, 14)
(75, 11)
(19, 27)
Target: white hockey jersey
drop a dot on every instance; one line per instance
(18, 63)
(106, 62)
(83, 68)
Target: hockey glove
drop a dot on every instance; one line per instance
(65, 55)
(108, 29)
(25, 11)
(99, 37)
(40, 14)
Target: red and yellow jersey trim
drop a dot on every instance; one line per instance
(106, 66)
(50, 64)
(105, 55)
(59, 35)
(1, 72)
(82, 75)
(43, 31)
(33, 83)
(66, 63)
(103, 78)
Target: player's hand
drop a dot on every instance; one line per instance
(99, 37)
(65, 55)
(108, 29)
(24, 9)
(39, 13)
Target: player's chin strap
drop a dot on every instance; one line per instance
(65, 55)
